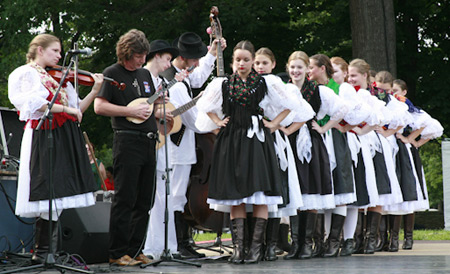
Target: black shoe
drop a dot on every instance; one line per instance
(373, 223)
(273, 225)
(408, 226)
(307, 247)
(348, 248)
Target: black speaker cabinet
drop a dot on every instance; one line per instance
(12, 130)
(85, 231)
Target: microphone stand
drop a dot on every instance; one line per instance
(166, 256)
(50, 261)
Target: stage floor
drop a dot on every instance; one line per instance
(426, 257)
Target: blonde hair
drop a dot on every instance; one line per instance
(267, 52)
(362, 67)
(132, 42)
(340, 62)
(298, 55)
(42, 40)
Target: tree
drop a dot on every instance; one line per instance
(373, 33)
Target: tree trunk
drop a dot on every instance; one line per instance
(373, 33)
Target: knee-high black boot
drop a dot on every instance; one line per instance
(295, 246)
(394, 229)
(255, 253)
(238, 231)
(319, 234)
(273, 225)
(408, 227)
(249, 226)
(383, 241)
(359, 233)
(306, 249)
(334, 239)
(42, 241)
(373, 223)
(283, 239)
(182, 233)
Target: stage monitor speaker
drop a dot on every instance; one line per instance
(16, 234)
(11, 125)
(85, 231)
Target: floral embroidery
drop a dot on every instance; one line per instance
(51, 84)
(241, 91)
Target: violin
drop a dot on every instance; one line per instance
(84, 77)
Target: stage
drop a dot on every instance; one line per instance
(426, 257)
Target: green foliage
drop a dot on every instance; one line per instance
(431, 157)
(321, 26)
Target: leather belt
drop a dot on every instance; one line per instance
(150, 135)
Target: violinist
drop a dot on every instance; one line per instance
(134, 160)
(30, 88)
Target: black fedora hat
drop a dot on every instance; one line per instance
(190, 45)
(161, 46)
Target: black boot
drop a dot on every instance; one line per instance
(255, 254)
(373, 223)
(408, 227)
(238, 231)
(41, 241)
(383, 242)
(307, 246)
(348, 248)
(394, 229)
(283, 244)
(249, 227)
(182, 232)
(334, 239)
(359, 234)
(273, 225)
(295, 246)
(319, 234)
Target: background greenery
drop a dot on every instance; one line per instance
(314, 26)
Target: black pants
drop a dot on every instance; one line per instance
(134, 183)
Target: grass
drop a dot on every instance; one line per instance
(426, 234)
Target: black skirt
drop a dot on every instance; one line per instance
(418, 165)
(242, 166)
(342, 174)
(72, 174)
(362, 194)
(381, 173)
(405, 173)
(315, 176)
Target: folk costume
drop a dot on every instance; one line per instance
(30, 87)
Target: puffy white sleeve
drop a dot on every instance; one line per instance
(211, 101)
(201, 73)
(420, 120)
(26, 92)
(379, 114)
(433, 129)
(358, 110)
(331, 104)
(401, 116)
(281, 96)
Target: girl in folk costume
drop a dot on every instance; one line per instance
(30, 88)
(386, 182)
(292, 200)
(338, 146)
(244, 169)
(311, 156)
(409, 166)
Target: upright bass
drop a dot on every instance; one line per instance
(197, 211)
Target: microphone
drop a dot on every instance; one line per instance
(85, 51)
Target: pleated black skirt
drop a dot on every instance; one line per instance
(71, 170)
(242, 166)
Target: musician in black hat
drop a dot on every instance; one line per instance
(133, 148)
(192, 52)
